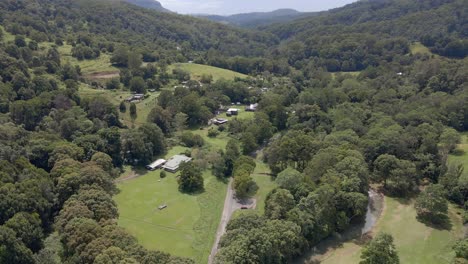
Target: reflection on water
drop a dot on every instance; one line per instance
(356, 231)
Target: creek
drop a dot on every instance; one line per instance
(355, 232)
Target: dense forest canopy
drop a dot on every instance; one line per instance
(342, 102)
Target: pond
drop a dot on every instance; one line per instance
(355, 232)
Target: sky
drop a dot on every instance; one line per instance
(228, 7)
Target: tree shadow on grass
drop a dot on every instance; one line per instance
(439, 223)
(458, 152)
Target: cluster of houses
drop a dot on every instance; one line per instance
(171, 165)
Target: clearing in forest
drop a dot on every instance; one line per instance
(197, 70)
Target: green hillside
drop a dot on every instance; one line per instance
(197, 70)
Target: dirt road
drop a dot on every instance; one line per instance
(231, 204)
(225, 217)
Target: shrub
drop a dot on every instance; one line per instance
(162, 174)
(212, 133)
(191, 140)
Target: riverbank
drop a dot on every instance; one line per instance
(416, 243)
(356, 235)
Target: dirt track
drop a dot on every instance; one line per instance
(231, 204)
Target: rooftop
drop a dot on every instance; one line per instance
(174, 162)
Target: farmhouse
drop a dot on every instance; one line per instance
(173, 164)
(219, 121)
(135, 98)
(156, 164)
(232, 111)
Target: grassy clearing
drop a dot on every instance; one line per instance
(197, 70)
(416, 243)
(185, 228)
(216, 143)
(461, 156)
(353, 73)
(101, 64)
(242, 114)
(116, 96)
(418, 47)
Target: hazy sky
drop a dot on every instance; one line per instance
(226, 7)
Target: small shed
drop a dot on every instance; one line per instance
(232, 111)
(173, 164)
(156, 164)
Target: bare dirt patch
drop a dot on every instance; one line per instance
(103, 75)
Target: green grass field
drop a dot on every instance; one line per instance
(461, 156)
(416, 243)
(197, 70)
(185, 228)
(101, 64)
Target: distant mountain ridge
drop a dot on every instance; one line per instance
(254, 19)
(150, 4)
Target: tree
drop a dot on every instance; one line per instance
(12, 250)
(380, 250)
(138, 85)
(449, 139)
(249, 143)
(133, 111)
(190, 179)
(154, 137)
(134, 60)
(113, 84)
(180, 121)
(398, 176)
(122, 107)
(244, 185)
(28, 228)
(290, 179)
(431, 205)
(278, 203)
(120, 57)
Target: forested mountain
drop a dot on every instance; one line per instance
(326, 136)
(151, 4)
(252, 20)
(167, 35)
(349, 38)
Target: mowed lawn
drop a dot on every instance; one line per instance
(185, 228)
(197, 70)
(416, 243)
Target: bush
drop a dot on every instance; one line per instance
(221, 128)
(162, 174)
(461, 248)
(213, 133)
(113, 84)
(191, 140)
